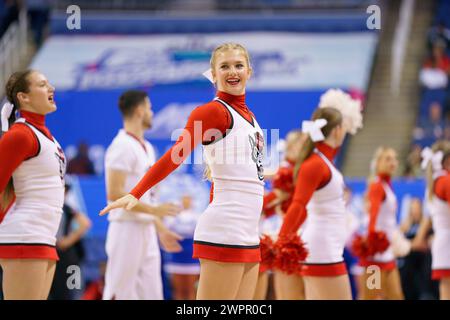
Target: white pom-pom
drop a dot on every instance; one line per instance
(349, 108)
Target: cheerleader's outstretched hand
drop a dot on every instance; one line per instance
(128, 202)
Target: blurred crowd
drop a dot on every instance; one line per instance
(433, 118)
(38, 12)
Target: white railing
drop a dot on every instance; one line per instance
(13, 49)
(400, 42)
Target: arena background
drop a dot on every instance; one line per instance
(298, 48)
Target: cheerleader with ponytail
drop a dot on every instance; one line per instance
(376, 247)
(276, 203)
(319, 194)
(32, 168)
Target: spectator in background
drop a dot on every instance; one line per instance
(435, 70)
(39, 13)
(432, 128)
(438, 58)
(412, 165)
(70, 249)
(415, 268)
(183, 269)
(81, 164)
(437, 33)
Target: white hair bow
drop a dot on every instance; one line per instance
(313, 129)
(435, 158)
(208, 75)
(6, 113)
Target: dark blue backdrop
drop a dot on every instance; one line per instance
(94, 116)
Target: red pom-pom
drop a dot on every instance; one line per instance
(375, 242)
(290, 253)
(266, 246)
(283, 180)
(359, 247)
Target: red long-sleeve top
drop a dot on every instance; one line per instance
(376, 196)
(442, 188)
(212, 115)
(314, 174)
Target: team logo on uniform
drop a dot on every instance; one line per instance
(257, 145)
(62, 162)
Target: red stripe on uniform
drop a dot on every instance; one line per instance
(224, 254)
(440, 273)
(324, 270)
(386, 266)
(23, 251)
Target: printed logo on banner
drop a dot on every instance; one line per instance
(280, 60)
(123, 67)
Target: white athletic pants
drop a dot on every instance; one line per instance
(133, 270)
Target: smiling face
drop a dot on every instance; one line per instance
(40, 95)
(231, 70)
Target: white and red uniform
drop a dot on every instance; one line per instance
(440, 214)
(133, 270)
(382, 217)
(28, 229)
(325, 230)
(228, 230)
(320, 192)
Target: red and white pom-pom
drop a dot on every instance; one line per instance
(268, 255)
(349, 108)
(290, 253)
(375, 242)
